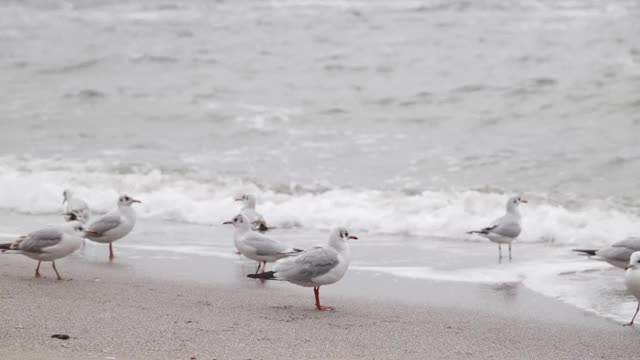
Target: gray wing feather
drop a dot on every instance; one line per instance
(41, 239)
(507, 225)
(308, 264)
(508, 229)
(265, 246)
(621, 254)
(630, 243)
(105, 223)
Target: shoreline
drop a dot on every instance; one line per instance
(131, 309)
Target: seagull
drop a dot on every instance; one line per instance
(75, 208)
(249, 210)
(114, 225)
(48, 244)
(505, 229)
(632, 280)
(257, 246)
(317, 266)
(617, 254)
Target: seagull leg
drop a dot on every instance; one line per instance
(264, 266)
(500, 251)
(509, 251)
(111, 252)
(53, 263)
(316, 291)
(634, 316)
(258, 268)
(38, 269)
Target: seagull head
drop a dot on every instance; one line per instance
(514, 202)
(73, 227)
(239, 222)
(634, 261)
(248, 201)
(126, 200)
(339, 237)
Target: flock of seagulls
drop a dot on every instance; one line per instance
(314, 267)
(53, 243)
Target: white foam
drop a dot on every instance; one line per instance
(183, 249)
(34, 186)
(475, 275)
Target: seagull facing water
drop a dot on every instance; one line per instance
(257, 246)
(74, 208)
(632, 281)
(505, 229)
(317, 266)
(114, 225)
(249, 210)
(48, 244)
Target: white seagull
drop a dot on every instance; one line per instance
(257, 246)
(505, 229)
(48, 244)
(249, 210)
(317, 266)
(616, 254)
(74, 208)
(114, 225)
(632, 280)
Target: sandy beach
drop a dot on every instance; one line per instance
(132, 310)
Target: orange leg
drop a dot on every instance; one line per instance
(111, 252)
(56, 270)
(316, 291)
(634, 316)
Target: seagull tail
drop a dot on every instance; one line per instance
(263, 227)
(12, 248)
(71, 216)
(265, 275)
(586, 251)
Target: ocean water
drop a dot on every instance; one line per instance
(408, 121)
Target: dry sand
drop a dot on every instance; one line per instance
(110, 314)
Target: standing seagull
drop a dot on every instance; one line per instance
(320, 265)
(48, 244)
(632, 280)
(505, 229)
(257, 246)
(75, 208)
(114, 225)
(249, 210)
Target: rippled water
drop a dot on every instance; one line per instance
(395, 117)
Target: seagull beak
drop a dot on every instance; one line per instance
(237, 199)
(136, 201)
(227, 223)
(352, 237)
(628, 267)
(524, 201)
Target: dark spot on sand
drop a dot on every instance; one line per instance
(61, 336)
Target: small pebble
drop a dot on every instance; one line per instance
(61, 336)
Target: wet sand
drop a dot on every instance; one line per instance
(141, 309)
